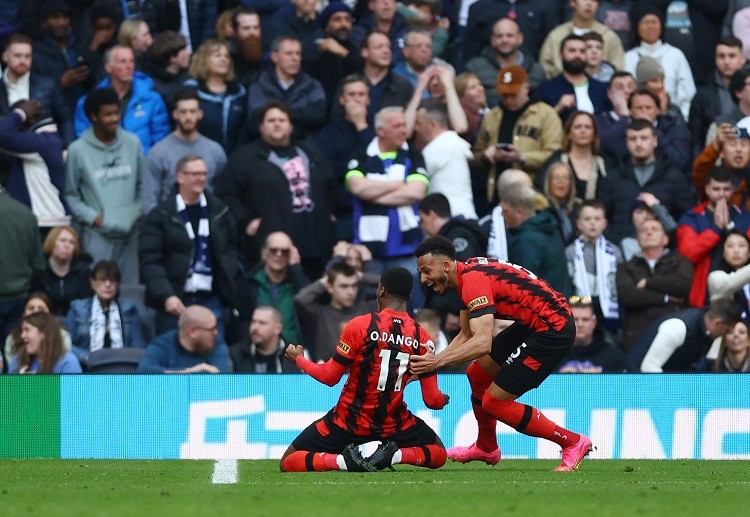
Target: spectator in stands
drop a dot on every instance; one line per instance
(103, 33)
(134, 33)
(262, 350)
(437, 83)
(37, 302)
(287, 83)
(276, 279)
(596, 66)
(700, 230)
(572, 89)
(351, 130)
(650, 74)
(592, 264)
(619, 89)
(388, 179)
(643, 208)
(731, 150)
(519, 132)
(533, 239)
(194, 19)
(43, 350)
(673, 136)
(21, 257)
(193, 263)
(382, 15)
(715, 97)
(579, 151)
(504, 49)
(359, 257)
(653, 283)
(303, 25)
(581, 23)
(730, 277)
(386, 88)
(144, 113)
(167, 63)
(641, 171)
(222, 98)
(535, 19)
(417, 52)
(741, 96)
(473, 98)
(446, 158)
(194, 347)
(324, 307)
(245, 45)
(679, 341)
(19, 82)
(59, 57)
(66, 277)
(648, 23)
(103, 178)
(281, 184)
(37, 171)
(592, 352)
(104, 320)
(734, 351)
(339, 57)
(559, 189)
(436, 218)
(161, 162)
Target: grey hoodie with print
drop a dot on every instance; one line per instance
(105, 180)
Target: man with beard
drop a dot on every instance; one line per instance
(162, 159)
(262, 349)
(246, 48)
(518, 133)
(192, 348)
(504, 49)
(582, 22)
(58, 56)
(338, 55)
(574, 90)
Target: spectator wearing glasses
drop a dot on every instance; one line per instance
(276, 280)
(188, 250)
(194, 347)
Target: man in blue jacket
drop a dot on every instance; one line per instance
(144, 112)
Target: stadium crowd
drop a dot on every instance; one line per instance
(190, 186)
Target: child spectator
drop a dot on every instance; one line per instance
(596, 66)
(592, 263)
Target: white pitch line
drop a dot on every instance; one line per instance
(225, 472)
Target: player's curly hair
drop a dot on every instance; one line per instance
(437, 245)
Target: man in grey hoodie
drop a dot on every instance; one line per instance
(103, 184)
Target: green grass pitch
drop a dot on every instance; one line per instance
(515, 487)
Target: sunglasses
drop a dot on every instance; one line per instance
(279, 251)
(578, 300)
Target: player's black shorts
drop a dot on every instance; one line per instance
(526, 358)
(325, 436)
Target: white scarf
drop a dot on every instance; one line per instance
(200, 274)
(606, 269)
(96, 332)
(497, 244)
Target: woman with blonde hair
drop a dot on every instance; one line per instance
(134, 33)
(66, 277)
(43, 350)
(580, 151)
(222, 97)
(563, 202)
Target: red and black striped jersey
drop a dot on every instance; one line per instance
(376, 348)
(491, 286)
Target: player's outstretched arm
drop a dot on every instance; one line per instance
(431, 394)
(328, 373)
(460, 349)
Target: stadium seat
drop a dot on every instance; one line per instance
(115, 360)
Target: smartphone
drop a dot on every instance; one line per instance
(503, 147)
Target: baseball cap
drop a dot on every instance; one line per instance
(510, 79)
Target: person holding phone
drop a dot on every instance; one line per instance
(518, 133)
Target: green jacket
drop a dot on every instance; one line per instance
(21, 256)
(537, 246)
